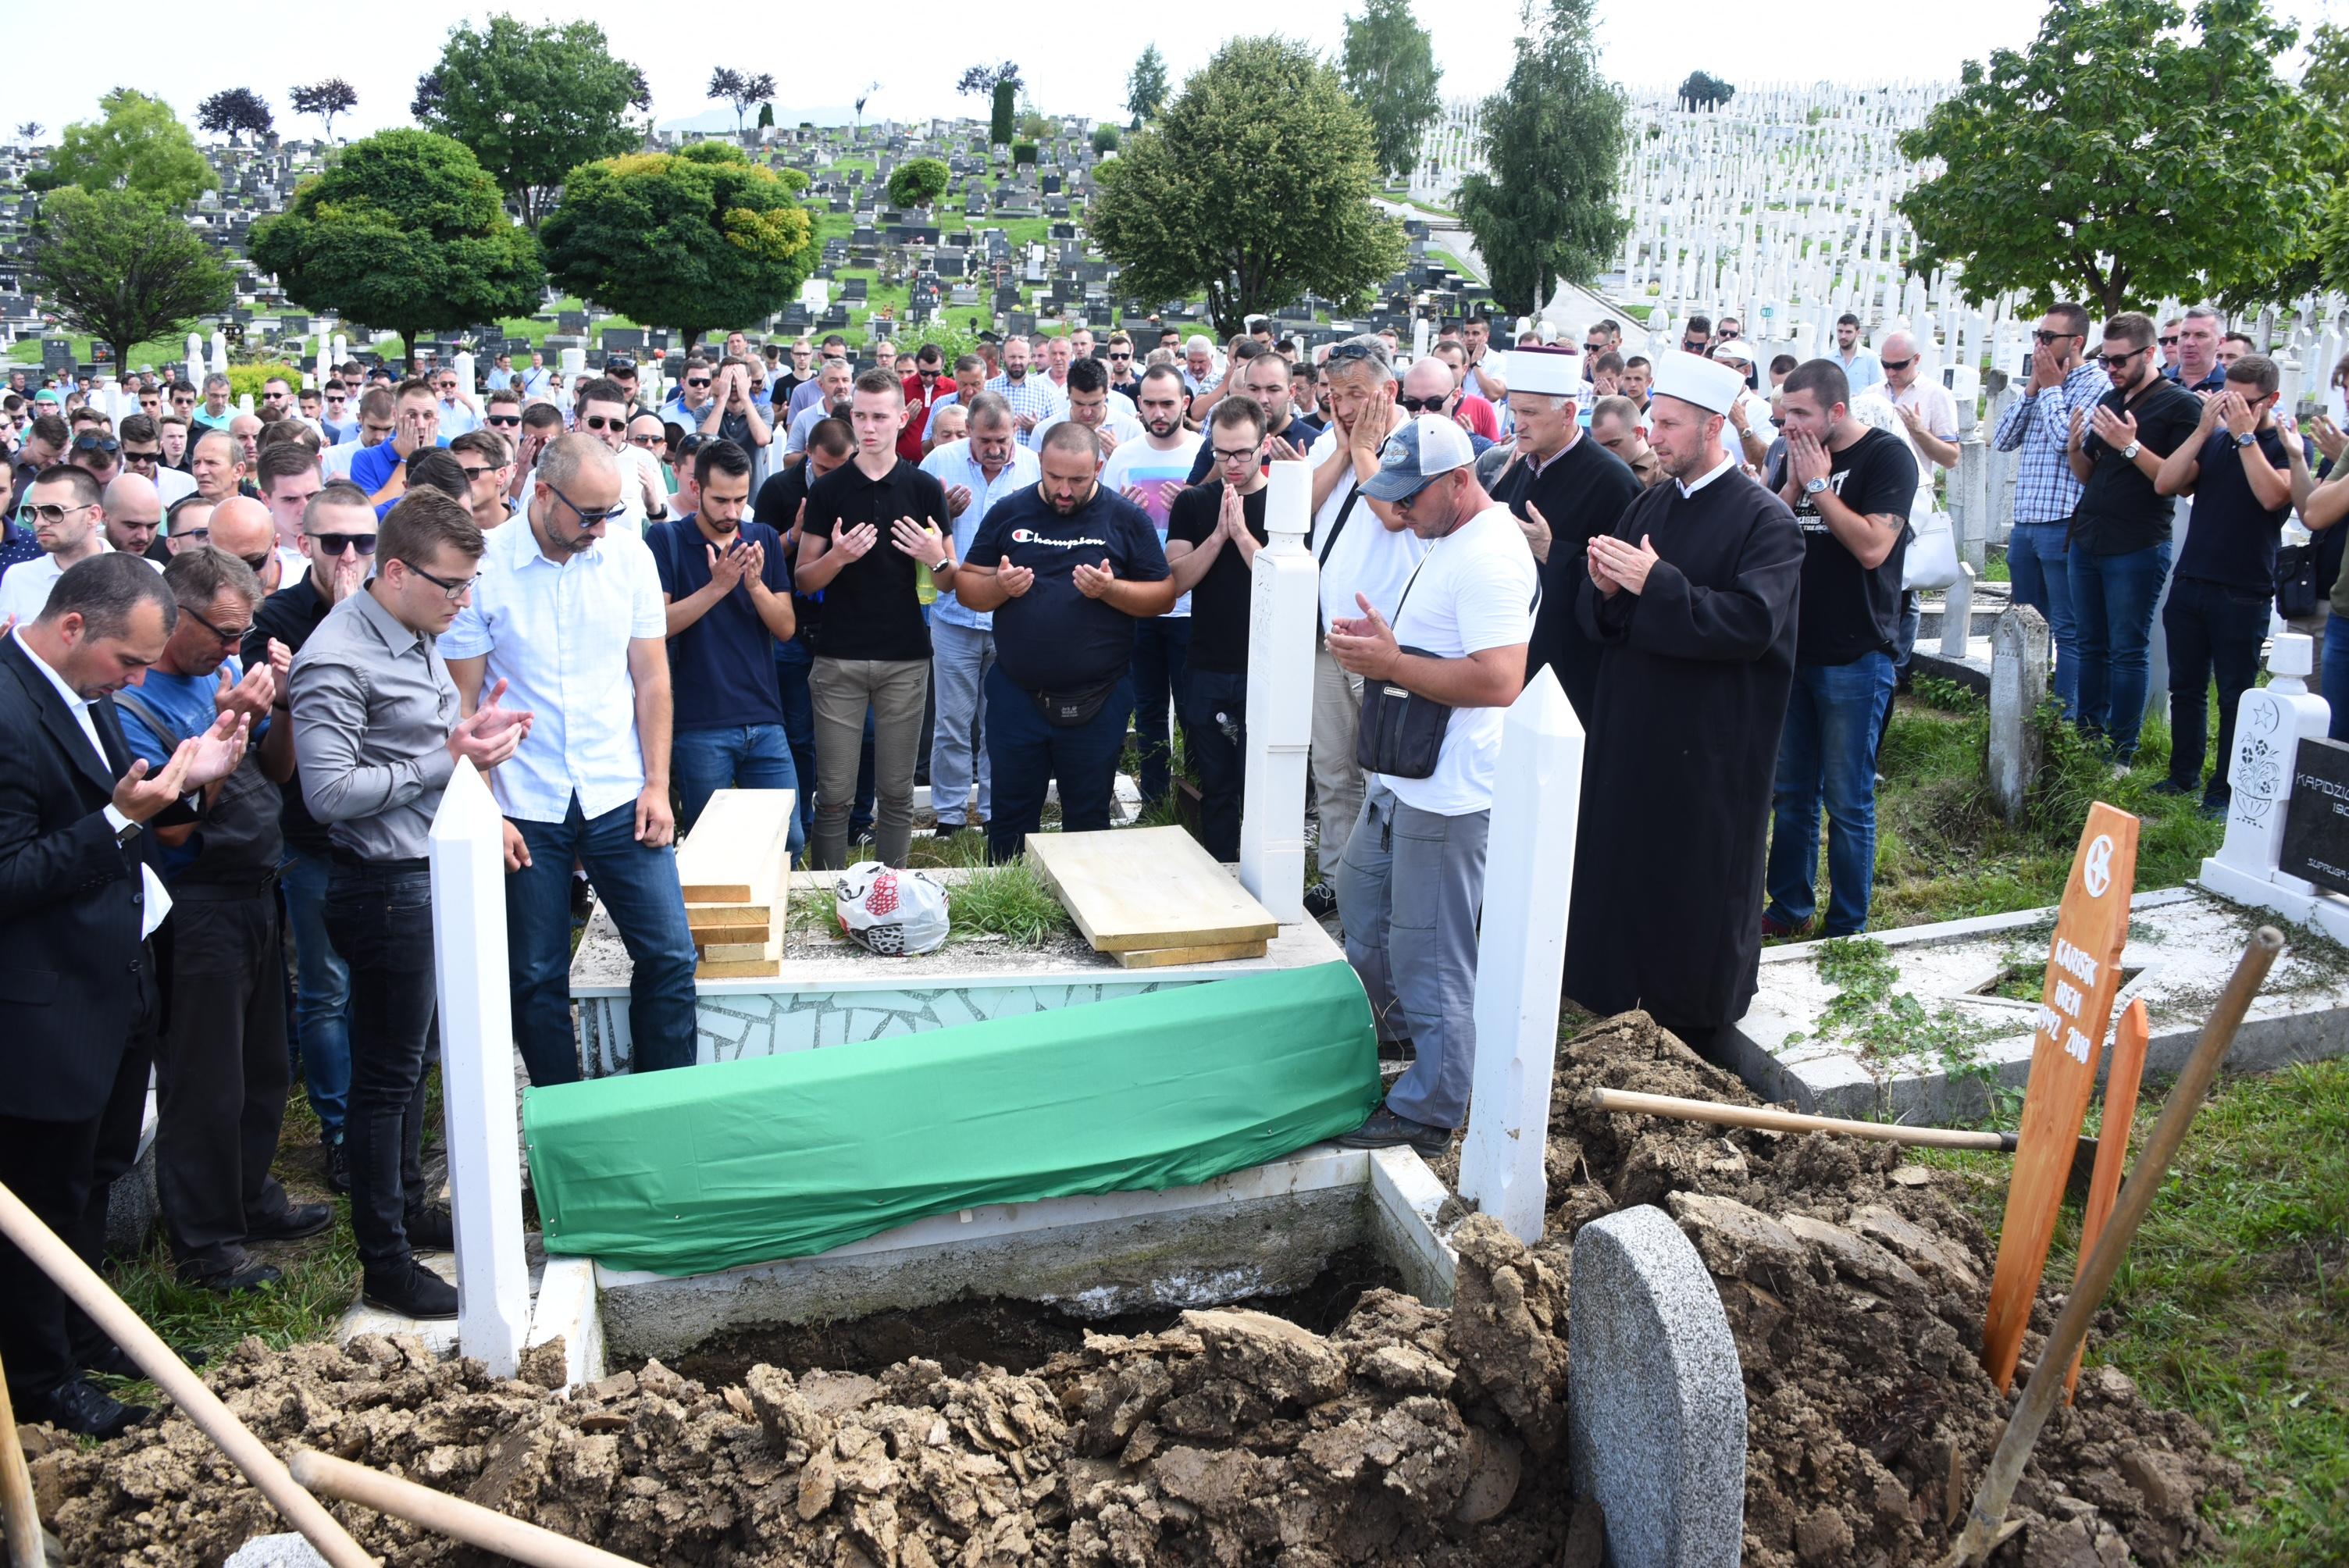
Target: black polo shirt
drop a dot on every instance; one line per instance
(1052, 638)
(2119, 511)
(871, 610)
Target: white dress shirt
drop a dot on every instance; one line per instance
(951, 464)
(559, 635)
(25, 587)
(157, 899)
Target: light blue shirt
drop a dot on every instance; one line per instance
(1863, 370)
(951, 465)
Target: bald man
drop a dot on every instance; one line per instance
(134, 511)
(242, 527)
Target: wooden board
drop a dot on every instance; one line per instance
(761, 969)
(1132, 890)
(739, 848)
(2121, 1081)
(1160, 957)
(2084, 972)
(705, 918)
(766, 950)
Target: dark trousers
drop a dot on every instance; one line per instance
(61, 1171)
(792, 662)
(221, 1076)
(638, 883)
(1162, 645)
(380, 913)
(1215, 733)
(2214, 630)
(1025, 755)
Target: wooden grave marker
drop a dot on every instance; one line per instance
(1150, 890)
(735, 868)
(2083, 974)
(2127, 1071)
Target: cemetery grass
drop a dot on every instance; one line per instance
(2233, 1304)
(1942, 850)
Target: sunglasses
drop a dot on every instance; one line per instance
(473, 473)
(645, 440)
(1423, 405)
(2168, 343)
(105, 444)
(1115, 355)
(1594, 349)
(598, 422)
(336, 543)
(504, 421)
(259, 564)
(43, 511)
(142, 458)
(2048, 339)
(1899, 363)
(694, 381)
(2123, 357)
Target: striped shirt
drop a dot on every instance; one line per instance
(2045, 488)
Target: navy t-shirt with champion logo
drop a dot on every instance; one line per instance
(1052, 638)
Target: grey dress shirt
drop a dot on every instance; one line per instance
(373, 707)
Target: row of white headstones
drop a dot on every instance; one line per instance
(1521, 949)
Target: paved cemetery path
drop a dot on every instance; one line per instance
(1446, 233)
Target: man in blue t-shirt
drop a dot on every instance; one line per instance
(382, 470)
(729, 590)
(1067, 567)
(221, 1069)
(2236, 467)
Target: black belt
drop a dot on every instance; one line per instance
(359, 862)
(224, 891)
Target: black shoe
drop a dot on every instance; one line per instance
(2215, 811)
(410, 1290)
(1385, 1130)
(297, 1220)
(338, 1168)
(2172, 787)
(115, 1362)
(1321, 900)
(946, 829)
(79, 1407)
(431, 1229)
(236, 1282)
(583, 900)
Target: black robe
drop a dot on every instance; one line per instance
(1693, 676)
(1581, 493)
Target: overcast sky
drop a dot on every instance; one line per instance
(824, 56)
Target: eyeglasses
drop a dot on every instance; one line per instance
(228, 637)
(1423, 405)
(1245, 455)
(586, 519)
(598, 422)
(2050, 339)
(142, 459)
(43, 511)
(194, 535)
(1899, 363)
(455, 591)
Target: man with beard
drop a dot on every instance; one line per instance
(729, 591)
(1565, 489)
(1150, 473)
(1035, 401)
(1067, 568)
(1691, 597)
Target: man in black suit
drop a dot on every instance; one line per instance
(76, 906)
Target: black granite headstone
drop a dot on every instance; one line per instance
(2316, 828)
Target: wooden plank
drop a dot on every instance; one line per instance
(761, 969)
(1213, 953)
(740, 952)
(2083, 971)
(2121, 1081)
(737, 849)
(1132, 890)
(702, 917)
(740, 931)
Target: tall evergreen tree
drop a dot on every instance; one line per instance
(1389, 64)
(1145, 87)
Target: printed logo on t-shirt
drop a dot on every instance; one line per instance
(1029, 536)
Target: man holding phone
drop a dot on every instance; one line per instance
(2059, 384)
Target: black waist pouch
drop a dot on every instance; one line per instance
(1402, 733)
(1067, 710)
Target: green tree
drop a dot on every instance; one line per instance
(326, 99)
(234, 110)
(766, 115)
(122, 268)
(1702, 89)
(741, 89)
(917, 183)
(1145, 87)
(1254, 185)
(1105, 139)
(1389, 64)
(139, 145)
(1553, 141)
(2175, 164)
(405, 232)
(1007, 104)
(694, 239)
(533, 103)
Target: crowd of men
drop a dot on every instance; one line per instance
(248, 651)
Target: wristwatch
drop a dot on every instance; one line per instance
(127, 831)
(1813, 487)
(2128, 453)
(2248, 438)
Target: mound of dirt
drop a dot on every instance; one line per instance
(1408, 1434)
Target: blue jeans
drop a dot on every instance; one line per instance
(1027, 754)
(792, 662)
(745, 757)
(2335, 676)
(1161, 645)
(322, 991)
(2214, 632)
(2040, 564)
(2112, 602)
(1827, 752)
(639, 884)
(961, 657)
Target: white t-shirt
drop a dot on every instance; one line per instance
(1140, 463)
(1366, 558)
(25, 587)
(1475, 590)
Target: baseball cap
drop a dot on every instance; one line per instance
(1417, 454)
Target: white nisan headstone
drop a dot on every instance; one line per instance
(1284, 592)
(2269, 723)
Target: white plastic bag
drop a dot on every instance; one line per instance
(1933, 558)
(898, 913)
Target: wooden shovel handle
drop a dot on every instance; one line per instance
(452, 1516)
(1765, 1116)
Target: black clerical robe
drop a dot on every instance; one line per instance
(1580, 494)
(1693, 676)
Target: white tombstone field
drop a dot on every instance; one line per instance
(477, 1071)
(1521, 957)
(2271, 721)
(1283, 594)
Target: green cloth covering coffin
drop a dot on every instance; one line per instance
(783, 1156)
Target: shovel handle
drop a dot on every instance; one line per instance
(1776, 1121)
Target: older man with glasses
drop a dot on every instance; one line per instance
(458, 412)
